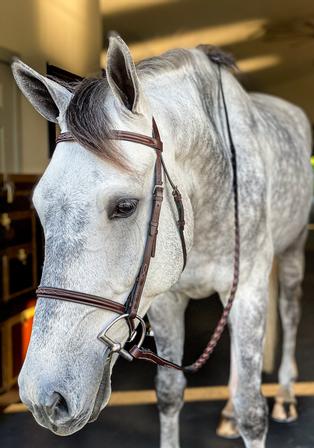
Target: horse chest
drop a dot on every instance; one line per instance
(202, 277)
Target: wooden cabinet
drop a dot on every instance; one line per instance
(20, 249)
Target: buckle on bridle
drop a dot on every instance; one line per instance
(116, 347)
(160, 186)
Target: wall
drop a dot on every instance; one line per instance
(272, 40)
(66, 33)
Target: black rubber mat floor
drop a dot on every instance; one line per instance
(137, 426)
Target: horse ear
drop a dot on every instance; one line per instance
(48, 97)
(121, 74)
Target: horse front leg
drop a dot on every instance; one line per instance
(291, 272)
(166, 316)
(247, 322)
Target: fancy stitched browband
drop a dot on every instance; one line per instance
(130, 309)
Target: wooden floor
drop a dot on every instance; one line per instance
(131, 420)
(194, 394)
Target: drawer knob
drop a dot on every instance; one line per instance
(22, 256)
(9, 188)
(5, 221)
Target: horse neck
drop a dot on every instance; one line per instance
(188, 114)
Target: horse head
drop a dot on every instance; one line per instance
(94, 204)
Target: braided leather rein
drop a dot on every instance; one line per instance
(130, 309)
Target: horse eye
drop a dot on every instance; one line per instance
(124, 208)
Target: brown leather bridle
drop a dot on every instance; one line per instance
(129, 311)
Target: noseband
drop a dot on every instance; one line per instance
(128, 312)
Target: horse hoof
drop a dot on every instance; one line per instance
(227, 428)
(284, 412)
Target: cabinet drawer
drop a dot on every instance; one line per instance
(16, 192)
(16, 228)
(18, 271)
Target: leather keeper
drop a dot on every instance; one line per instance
(148, 355)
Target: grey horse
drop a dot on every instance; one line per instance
(94, 205)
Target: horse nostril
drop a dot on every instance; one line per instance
(62, 404)
(58, 407)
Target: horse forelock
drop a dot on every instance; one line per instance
(89, 121)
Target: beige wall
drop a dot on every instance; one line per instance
(272, 40)
(66, 33)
